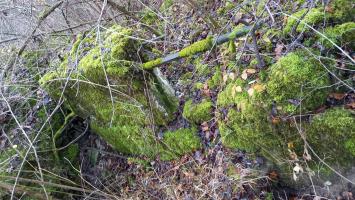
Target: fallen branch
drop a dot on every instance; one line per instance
(198, 47)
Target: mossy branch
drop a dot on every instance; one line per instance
(58, 133)
(198, 47)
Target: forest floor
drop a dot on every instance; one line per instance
(214, 171)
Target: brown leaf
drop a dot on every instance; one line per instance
(329, 9)
(293, 155)
(244, 76)
(285, 20)
(278, 51)
(205, 90)
(189, 175)
(350, 105)
(225, 77)
(273, 175)
(250, 71)
(321, 109)
(290, 145)
(204, 127)
(306, 155)
(337, 96)
(259, 87)
(232, 76)
(238, 89)
(251, 91)
(275, 120)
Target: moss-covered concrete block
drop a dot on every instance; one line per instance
(261, 121)
(123, 112)
(297, 81)
(332, 135)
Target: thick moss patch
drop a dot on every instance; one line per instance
(198, 113)
(343, 34)
(258, 117)
(127, 112)
(179, 142)
(297, 81)
(332, 135)
(314, 16)
(338, 11)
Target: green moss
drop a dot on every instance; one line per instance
(123, 114)
(198, 113)
(6, 156)
(151, 64)
(342, 10)
(198, 86)
(229, 5)
(166, 5)
(237, 31)
(231, 94)
(149, 17)
(337, 11)
(314, 16)
(340, 34)
(331, 134)
(71, 153)
(186, 78)
(197, 47)
(231, 46)
(216, 79)
(297, 78)
(247, 122)
(181, 141)
(201, 68)
(350, 145)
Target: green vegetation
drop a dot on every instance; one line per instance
(151, 64)
(297, 81)
(198, 113)
(216, 79)
(341, 35)
(297, 104)
(337, 10)
(336, 129)
(237, 31)
(180, 142)
(122, 114)
(197, 47)
(314, 16)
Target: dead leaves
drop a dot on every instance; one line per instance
(296, 171)
(205, 127)
(273, 175)
(244, 76)
(247, 72)
(337, 96)
(278, 51)
(251, 91)
(205, 90)
(259, 87)
(350, 106)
